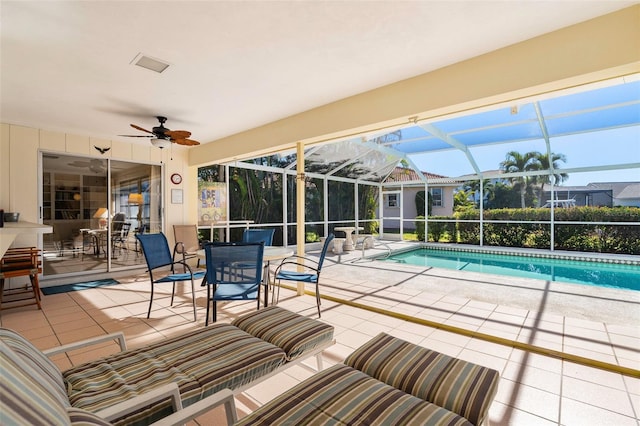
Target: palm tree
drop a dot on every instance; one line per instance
(546, 162)
(516, 162)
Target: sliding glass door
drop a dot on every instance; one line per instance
(96, 207)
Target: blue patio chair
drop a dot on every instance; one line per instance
(157, 254)
(258, 236)
(225, 281)
(311, 272)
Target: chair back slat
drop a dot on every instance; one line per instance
(258, 236)
(156, 249)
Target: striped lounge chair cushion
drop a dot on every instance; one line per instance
(47, 372)
(465, 388)
(288, 330)
(341, 395)
(26, 397)
(201, 363)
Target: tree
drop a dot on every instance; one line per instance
(473, 188)
(516, 162)
(419, 200)
(546, 162)
(500, 196)
(463, 200)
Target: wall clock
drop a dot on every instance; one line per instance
(176, 178)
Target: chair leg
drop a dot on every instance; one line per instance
(318, 298)
(173, 291)
(193, 295)
(150, 302)
(36, 288)
(209, 301)
(277, 299)
(214, 314)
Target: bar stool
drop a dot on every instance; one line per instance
(18, 262)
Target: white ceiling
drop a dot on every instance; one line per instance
(235, 65)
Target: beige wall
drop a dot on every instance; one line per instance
(19, 184)
(602, 48)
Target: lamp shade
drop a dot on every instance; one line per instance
(101, 213)
(136, 198)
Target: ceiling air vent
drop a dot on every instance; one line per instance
(150, 63)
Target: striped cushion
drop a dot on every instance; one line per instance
(47, 372)
(26, 398)
(465, 388)
(201, 363)
(290, 331)
(341, 395)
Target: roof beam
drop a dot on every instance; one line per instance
(453, 142)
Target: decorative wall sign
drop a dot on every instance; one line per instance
(176, 196)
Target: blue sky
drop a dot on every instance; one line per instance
(611, 147)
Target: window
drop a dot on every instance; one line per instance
(436, 197)
(392, 200)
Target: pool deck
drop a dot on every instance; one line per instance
(364, 297)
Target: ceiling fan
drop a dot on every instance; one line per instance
(160, 132)
(95, 165)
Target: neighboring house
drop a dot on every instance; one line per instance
(605, 194)
(582, 195)
(622, 193)
(402, 186)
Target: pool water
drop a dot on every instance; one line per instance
(571, 271)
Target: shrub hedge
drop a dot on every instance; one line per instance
(591, 237)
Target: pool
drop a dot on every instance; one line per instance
(626, 276)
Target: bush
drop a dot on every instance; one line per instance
(617, 238)
(420, 227)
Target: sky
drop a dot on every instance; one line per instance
(610, 147)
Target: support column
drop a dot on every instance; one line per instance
(300, 202)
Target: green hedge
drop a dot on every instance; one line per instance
(619, 238)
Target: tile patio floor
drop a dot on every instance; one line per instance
(534, 389)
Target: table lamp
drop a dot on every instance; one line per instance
(137, 199)
(101, 214)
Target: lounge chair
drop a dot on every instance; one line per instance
(133, 386)
(387, 381)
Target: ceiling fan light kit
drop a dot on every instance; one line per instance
(161, 143)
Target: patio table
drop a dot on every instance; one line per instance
(348, 231)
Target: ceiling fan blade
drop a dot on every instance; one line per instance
(137, 136)
(177, 134)
(187, 142)
(141, 129)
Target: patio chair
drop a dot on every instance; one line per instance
(139, 231)
(187, 242)
(258, 236)
(157, 254)
(311, 270)
(225, 280)
(119, 239)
